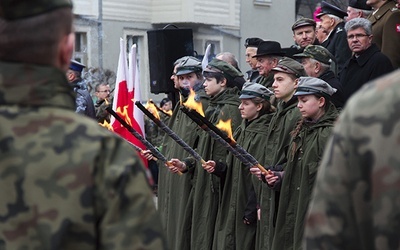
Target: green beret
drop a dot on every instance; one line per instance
(312, 85)
(219, 66)
(18, 9)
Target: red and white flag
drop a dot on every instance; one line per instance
(124, 98)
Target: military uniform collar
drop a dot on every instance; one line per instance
(386, 7)
(34, 85)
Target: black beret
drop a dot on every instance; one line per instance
(252, 42)
(359, 4)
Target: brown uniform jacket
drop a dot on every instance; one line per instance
(386, 31)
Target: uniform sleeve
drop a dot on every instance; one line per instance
(125, 208)
(391, 39)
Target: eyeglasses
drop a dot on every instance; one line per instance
(104, 91)
(357, 36)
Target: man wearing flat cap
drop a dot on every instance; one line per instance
(358, 8)
(268, 55)
(251, 45)
(386, 28)
(67, 182)
(332, 21)
(316, 61)
(304, 34)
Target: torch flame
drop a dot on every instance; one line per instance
(192, 104)
(151, 107)
(106, 101)
(124, 114)
(226, 126)
(169, 112)
(107, 125)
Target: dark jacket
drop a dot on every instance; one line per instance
(337, 98)
(83, 101)
(358, 71)
(337, 44)
(252, 75)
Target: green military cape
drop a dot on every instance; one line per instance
(173, 189)
(282, 123)
(304, 155)
(206, 189)
(230, 231)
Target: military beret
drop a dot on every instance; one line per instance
(252, 89)
(190, 64)
(76, 66)
(316, 52)
(304, 22)
(312, 85)
(219, 66)
(290, 66)
(18, 9)
(327, 8)
(359, 4)
(252, 42)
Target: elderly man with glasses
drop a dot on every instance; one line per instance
(367, 62)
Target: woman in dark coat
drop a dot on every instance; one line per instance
(296, 181)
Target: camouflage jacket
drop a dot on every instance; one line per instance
(66, 182)
(355, 204)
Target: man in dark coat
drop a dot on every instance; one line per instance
(83, 100)
(367, 63)
(332, 22)
(386, 28)
(316, 61)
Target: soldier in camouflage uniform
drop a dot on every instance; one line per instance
(355, 204)
(66, 182)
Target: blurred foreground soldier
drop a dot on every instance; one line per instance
(66, 182)
(386, 28)
(355, 203)
(316, 61)
(358, 8)
(332, 21)
(251, 45)
(84, 102)
(367, 62)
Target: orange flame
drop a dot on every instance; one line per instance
(124, 114)
(151, 107)
(106, 125)
(192, 104)
(169, 112)
(226, 126)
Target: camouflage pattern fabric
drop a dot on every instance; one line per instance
(66, 182)
(355, 204)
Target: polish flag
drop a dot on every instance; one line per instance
(124, 97)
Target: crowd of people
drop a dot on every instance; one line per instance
(299, 165)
